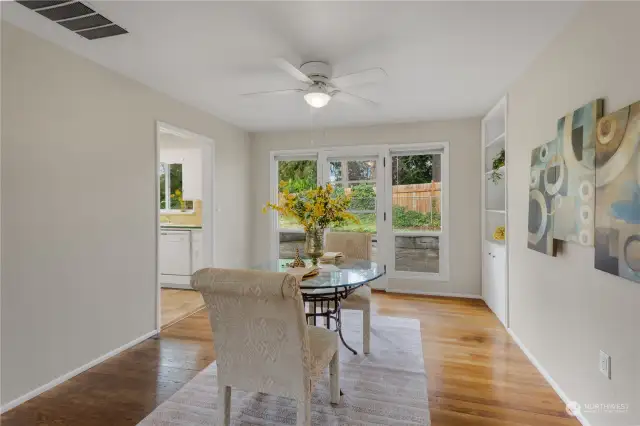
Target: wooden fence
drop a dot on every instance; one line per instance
(422, 197)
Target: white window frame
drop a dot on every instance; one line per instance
(274, 182)
(167, 192)
(443, 235)
(383, 178)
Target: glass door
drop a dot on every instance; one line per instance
(362, 177)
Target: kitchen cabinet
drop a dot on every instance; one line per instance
(180, 256)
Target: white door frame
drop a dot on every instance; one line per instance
(208, 202)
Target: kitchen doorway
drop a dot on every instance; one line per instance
(185, 223)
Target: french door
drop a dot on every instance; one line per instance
(360, 173)
(399, 194)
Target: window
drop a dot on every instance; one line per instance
(171, 188)
(416, 188)
(295, 175)
(398, 192)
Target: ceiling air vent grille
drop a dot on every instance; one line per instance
(77, 17)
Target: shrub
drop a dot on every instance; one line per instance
(403, 218)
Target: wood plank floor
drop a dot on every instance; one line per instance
(178, 304)
(477, 376)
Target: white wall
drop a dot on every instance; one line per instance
(563, 309)
(79, 207)
(464, 207)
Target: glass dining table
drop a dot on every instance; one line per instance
(323, 292)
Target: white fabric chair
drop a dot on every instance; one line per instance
(261, 338)
(355, 245)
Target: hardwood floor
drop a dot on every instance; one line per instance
(178, 304)
(476, 374)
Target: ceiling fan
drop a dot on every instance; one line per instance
(321, 86)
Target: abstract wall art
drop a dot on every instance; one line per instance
(542, 178)
(562, 182)
(617, 193)
(574, 196)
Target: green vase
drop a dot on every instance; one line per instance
(314, 244)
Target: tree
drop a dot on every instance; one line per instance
(412, 169)
(300, 175)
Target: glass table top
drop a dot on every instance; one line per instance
(342, 274)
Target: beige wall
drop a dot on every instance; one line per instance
(563, 309)
(464, 138)
(79, 137)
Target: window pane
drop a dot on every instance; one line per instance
(367, 224)
(417, 254)
(363, 196)
(361, 170)
(289, 241)
(163, 204)
(416, 190)
(299, 175)
(335, 171)
(175, 188)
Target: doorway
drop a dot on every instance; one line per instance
(185, 226)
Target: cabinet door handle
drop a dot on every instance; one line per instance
(489, 253)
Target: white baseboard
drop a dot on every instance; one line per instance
(546, 376)
(428, 293)
(73, 373)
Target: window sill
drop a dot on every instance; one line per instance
(167, 212)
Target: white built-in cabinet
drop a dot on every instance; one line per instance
(180, 256)
(494, 214)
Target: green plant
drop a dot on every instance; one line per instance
(498, 162)
(363, 197)
(404, 218)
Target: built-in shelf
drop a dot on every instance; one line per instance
(496, 242)
(496, 211)
(496, 140)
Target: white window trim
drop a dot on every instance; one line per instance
(383, 151)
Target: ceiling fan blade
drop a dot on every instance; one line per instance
(274, 92)
(353, 99)
(372, 75)
(292, 70)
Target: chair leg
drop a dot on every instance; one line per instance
(304, 412)
(334, 378)
(366, 330)
(224, 404)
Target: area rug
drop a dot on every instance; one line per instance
(386, 387)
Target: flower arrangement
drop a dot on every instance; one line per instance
(499, 234)
(314, 209)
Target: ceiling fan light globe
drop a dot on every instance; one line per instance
(317, 99)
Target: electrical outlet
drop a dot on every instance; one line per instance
(605, 365)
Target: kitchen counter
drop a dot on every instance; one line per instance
(176, 226)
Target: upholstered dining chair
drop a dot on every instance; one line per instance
(355, 245)
(261, 338)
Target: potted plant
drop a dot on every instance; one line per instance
(315, 210)
(498, 162)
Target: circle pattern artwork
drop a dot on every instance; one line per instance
(556, 163)
(536, 196)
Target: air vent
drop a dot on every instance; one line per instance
(77, 17)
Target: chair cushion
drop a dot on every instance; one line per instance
(323, 344)
(359, 299)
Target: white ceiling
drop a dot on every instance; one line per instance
(444, 59)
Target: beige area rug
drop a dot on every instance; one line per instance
(386, 387)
